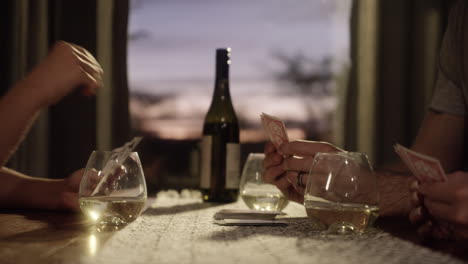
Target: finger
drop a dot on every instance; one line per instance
(269, 148)
(272, 173)
(296, 182)
(302, 181)
(83, 53)
(415, 199)
(413, 184)
(416, 216)
(283, 183)
(92, 69)
(292, 179)
(70, 201)
(288, 190)
(272, 159)
(307, 148)
(74, 180)
(294, 195)
(425, 230)
(439, 210)
(439, 191)
(441, 231)
(90, 83)
(297, 163)
(96, 74)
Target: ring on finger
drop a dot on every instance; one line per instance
(299, 181)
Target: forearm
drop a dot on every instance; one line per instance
(18, 110)
(20, 191)
(394, 191)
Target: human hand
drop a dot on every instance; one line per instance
(66, 67)
(285, 170)
(427, 226)
(68, 196)
(446, 211)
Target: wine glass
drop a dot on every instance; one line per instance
(112, 200)
(342, 192)
(257, 194)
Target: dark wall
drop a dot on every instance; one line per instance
(6, 23)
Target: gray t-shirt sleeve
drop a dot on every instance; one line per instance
(447, 97)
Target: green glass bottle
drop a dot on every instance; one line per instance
(220, 148)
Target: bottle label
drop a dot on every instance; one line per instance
(232, 165)
(205, 166)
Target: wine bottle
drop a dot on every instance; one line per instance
(220, 149)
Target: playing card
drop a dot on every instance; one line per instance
(276, 130)
(265, 127)
(402, 153)
(116, 159)
(425, 168)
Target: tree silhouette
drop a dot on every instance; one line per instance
(309, 78)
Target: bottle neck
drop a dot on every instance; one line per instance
(221, 91)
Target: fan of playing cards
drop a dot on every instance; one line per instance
(115, 160)
(424, 168)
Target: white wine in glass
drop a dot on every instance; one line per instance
(356, 217)
(112, 212)
(342, 193)
(257, 194)
(113, 201)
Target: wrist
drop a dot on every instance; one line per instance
(394, 194)
(29, 90)
(42, 194)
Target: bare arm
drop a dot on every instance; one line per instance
(66, 68)
(440, 136)
(20, 191)
(17, 113)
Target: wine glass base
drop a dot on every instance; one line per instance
(342, 228)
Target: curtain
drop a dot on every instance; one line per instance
(113, 124)
(24, 32)
(64, 135)
(394, 50)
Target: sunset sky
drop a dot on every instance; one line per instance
(173, 42)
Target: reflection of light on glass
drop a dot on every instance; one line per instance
(328, 181)
(92, 244)
(94, 215)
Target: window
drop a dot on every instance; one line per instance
(285, 62)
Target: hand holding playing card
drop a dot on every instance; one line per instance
(445, 207)
(428, 172)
